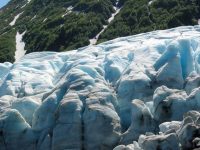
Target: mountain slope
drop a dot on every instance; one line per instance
(102, 96)
(63, 25)
(143, 16)
(51, 25)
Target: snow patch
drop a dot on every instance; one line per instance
(20, 45)
(15, 19)
(150, 2)
(116, 3)
(94, 40)
(33, 17)
(117, 10)
(28, 1)
(24, 5)
(44, 20)
(68, 11)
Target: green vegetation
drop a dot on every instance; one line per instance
(7, 46)
(52, 30)
(137, 16)
(51, 26)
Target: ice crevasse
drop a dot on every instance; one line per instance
(139, 92)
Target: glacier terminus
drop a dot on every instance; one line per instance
(140, 92)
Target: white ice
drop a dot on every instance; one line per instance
(20, 45)
(68, 11)
(141, 88)
(150, 2)
(15, 19)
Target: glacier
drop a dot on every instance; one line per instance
(140, 92)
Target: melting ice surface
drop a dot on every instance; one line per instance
(139, 92)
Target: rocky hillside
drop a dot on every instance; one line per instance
(62, 25)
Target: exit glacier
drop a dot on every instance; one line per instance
(140, 92)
